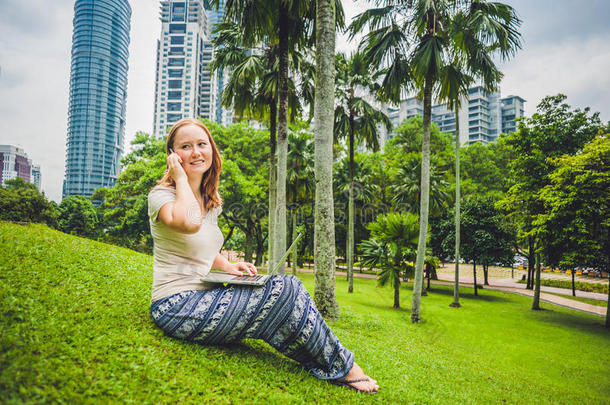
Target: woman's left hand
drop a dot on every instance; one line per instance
(240, 267)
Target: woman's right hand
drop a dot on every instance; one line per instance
(174, 167)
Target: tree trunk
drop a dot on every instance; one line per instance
(423, 209)
(486, 274)
(536, 303)
(295, 252)
(428, 271)
(608, 305)
(279, 246)
(433, 274)
(350, 218)
(396, 294)
(573, 284)
(456, 285)
(324, 220)
(248, 247)
(260, 249)
(424, 293)
(272, 181)
(530, 263)
(228, 237)
(474, 270)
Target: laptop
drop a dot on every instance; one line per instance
(257, 279)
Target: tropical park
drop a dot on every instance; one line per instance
(455, 273)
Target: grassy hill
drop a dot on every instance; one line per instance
(75, 327)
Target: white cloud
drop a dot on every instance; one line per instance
(576, 69)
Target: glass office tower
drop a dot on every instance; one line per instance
(184, 86)
(98, 93)
(224, 115)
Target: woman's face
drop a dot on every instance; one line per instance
(193, 146)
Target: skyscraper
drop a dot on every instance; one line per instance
(184, 85)
(512, 107)
(224, 115)
(483, 115)
(98, 93)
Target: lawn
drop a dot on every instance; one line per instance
(76, 329)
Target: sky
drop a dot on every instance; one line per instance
(565, 50)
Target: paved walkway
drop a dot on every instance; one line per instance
(511, 285)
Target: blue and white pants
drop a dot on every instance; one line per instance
(281, 312)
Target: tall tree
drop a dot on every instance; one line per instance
(299, 175)
(359, 121)
(411, 46)
(252, 90)
(471, 56)
(554, 130)
(324, 232)
(486, 237)
(576, 220)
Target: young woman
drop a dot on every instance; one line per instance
(183, 210)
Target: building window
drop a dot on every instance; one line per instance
(177, 40)
(173, 117)
(173, 106)
(175, 84)
(174, 95)
(174, 73)
(177, 28)
(176, 62)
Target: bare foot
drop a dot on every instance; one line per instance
(359, 381)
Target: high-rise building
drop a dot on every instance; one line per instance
(184, 85)
(224, 115)
(98, 94)
(16, 163)
(512, 108)
(483, 115)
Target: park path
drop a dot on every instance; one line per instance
(511, 286)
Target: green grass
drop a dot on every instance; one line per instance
(592, 301)
(76, 329)
(579, 285)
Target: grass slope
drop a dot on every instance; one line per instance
(76, 328)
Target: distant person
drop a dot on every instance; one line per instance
(183, 210)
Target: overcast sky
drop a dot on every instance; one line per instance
(565, 50)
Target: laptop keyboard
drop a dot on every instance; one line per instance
(249, 278)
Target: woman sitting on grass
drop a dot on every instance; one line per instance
(183, 210)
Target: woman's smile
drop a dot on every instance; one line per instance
(192, 144)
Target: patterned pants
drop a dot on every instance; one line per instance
(281, 312)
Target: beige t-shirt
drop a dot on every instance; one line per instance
(180, 259)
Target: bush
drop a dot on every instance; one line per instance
(77, 216)
(22, 202)
(581, 286)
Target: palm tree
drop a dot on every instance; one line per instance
(252, 90)
(406, 189)
(391, 247)
(455, 87)
(365, 189)
(324, 218)
(411, 44)
(355, 119)
(299, 173)
(472, 59)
